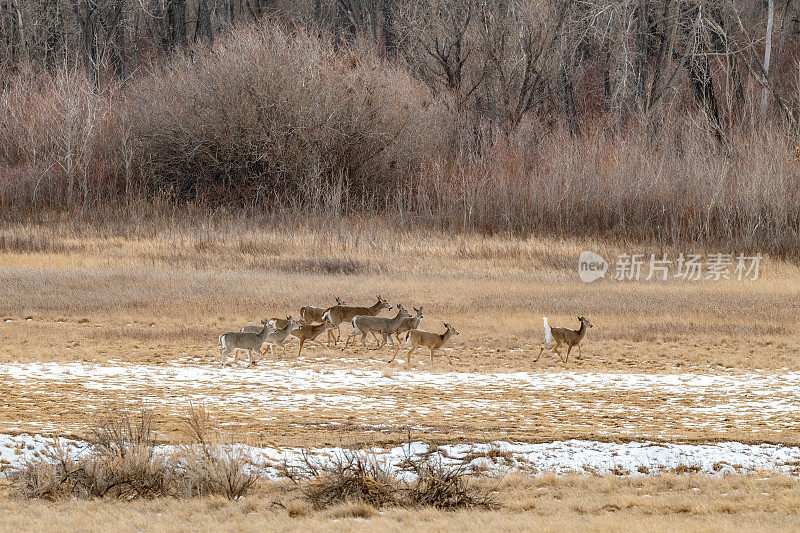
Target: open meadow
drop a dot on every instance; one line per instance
(699, 377)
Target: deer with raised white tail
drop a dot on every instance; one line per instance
(559, 336)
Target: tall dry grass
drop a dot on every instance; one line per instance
(282, 123)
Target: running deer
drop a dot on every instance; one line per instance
(244, 340)
(274, 323)
(310, 314)
(309, 332)
(416, 338)
(365, 324)
(570, 337)
(345, 313)
(279, 335)
(409, 323)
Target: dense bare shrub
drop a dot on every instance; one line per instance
(122, 462)
(444, 487)
(278, 116)
(349, 476)
(291, 127)
(355, 476)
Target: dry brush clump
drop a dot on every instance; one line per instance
(359, 477)
(276, 115)
(122, 462)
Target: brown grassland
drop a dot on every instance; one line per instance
(161, 298)
(544, 503)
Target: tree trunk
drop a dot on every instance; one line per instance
(767, 53)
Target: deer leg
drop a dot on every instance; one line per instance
(396, 349)
(408, 355)
(345, 342)
(375, 336)
(541, 349)
(568, 350)
(579, 352)
(431, 356)
(302, 341)
(378, 342)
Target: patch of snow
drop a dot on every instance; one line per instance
(495, 458)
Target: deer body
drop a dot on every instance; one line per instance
(559, 336)
(433, 341)
(275, 323)
(409, 323)
(310, 314)
(309, 332)
(277, 337)
(243, 340)
(346, 313)
(365, 324)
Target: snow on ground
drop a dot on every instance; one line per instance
(306, 392)
(573, 456)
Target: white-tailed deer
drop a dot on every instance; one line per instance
(409, 323)
(277, 337)
(346, 313)
(275, 323)
(243, 340)
(365, 324)
(309, 332)
(434, 341)
(570, 337)
(311, 315)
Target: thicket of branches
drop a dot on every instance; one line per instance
(665, 120)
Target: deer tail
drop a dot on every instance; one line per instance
(548, 333)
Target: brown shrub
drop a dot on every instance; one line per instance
(121, 463)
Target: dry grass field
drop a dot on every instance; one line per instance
(93, 321)
(545, 503)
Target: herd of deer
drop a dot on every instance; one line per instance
(316, 320)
